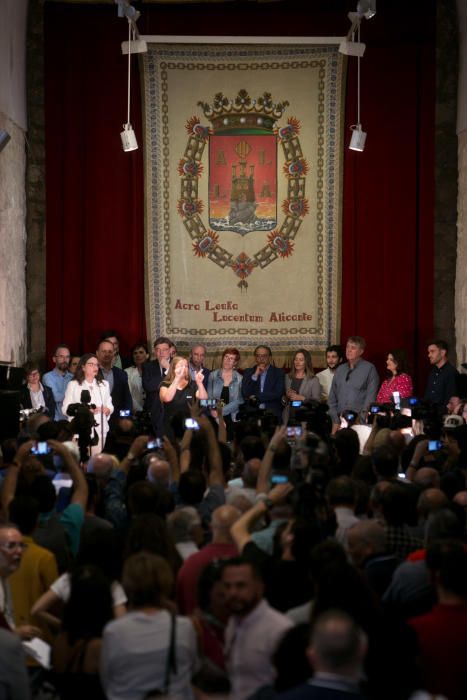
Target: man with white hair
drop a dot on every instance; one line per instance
(184, 525)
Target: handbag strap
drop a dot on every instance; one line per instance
(171, 663)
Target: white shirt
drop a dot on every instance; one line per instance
(346, 518)
(37, 397)
(250, 643)
(100, 396)
(62, 588)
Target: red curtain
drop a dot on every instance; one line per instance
(95, 195)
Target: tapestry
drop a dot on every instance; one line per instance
(243, 172)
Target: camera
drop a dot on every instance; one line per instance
(155, 444)
(125, 413)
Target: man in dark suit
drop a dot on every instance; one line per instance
(336, 653)
(154, 372)
(264, 382)
(117, 379)
(196, 362)
(118, 361)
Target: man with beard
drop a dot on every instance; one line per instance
(334, 358)
(58, 378)
(253, 632)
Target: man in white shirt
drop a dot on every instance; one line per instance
(334, 357)
(253, 632)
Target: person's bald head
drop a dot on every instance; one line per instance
(431, 500)
(461, 499)
(102, 465)
(364, 539)
(158, 471)
(222, 520)
(427, 478)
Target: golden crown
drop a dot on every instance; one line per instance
(243, 112)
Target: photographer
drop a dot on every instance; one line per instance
(99, 399)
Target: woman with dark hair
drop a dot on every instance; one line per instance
(149, 533)
(140, 355)
(76, 650)
(301, 383)
(149, 649)
(34, 394)
(88, 378)
(99, 548)
(399, 378)
(177, 391)
(225, 384)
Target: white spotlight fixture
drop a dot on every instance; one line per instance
(128, 136)
(357, 142)
(349, 47)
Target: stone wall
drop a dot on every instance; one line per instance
(12, 245)
(461, 273)
(35, 184)
(461, 276)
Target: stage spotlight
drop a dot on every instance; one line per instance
(357, 142)
(128, 137)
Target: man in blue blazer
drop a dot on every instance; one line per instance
(264, 382)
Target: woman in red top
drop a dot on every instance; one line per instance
(399, 379)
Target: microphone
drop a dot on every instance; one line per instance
(85, 396)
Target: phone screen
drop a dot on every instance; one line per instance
(41, 448)
(191, 424)
(279, 479)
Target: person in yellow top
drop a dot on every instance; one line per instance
(38, 568)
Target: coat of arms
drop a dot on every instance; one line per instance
(243, 171)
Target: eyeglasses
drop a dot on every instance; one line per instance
(93, 364)
(262, 356)
(10, 546)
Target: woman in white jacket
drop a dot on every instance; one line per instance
(88, 378)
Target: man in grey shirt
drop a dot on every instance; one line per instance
(355, 383)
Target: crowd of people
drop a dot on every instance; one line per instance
(172, 530)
